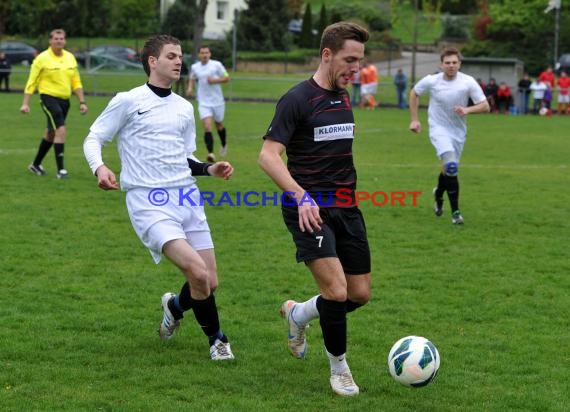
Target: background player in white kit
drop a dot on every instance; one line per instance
(208, 75)
(449, 91)
(156, 141)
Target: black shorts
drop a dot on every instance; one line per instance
(55, 109)
(342, 235)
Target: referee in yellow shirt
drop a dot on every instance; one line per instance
(55, 75)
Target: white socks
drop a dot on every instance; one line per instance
(306, 311)
(338, 364)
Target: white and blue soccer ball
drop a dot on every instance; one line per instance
(413, 361)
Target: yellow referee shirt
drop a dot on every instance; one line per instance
(54, 75)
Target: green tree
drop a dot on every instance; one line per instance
(263, 25)
(133, 18)
(178, 20)
(522, 31)
(321, 25)
(306, 36)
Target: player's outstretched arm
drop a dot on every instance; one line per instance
(221, 169)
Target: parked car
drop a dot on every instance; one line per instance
(18, 52)
(110, 56)
(563, 64)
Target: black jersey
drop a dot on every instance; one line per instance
(317, 128)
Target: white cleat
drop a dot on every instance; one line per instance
(168, 324)
(343, 384)
(296, 335)
(221, 351)
(224, 151)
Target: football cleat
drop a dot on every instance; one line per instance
(437, 203)
(168, 324)
(297, 341)
(211, 157)
(224, 151)
(37, 170)
(62, 174)
(221, 351)
(343, 384)
(456, 218)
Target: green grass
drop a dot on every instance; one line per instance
(80, 296)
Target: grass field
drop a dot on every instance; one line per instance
(80, 296)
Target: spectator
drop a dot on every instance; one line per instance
(538, 88)
(504, 98)
(524, 93)
(563, 93)
(5, 70)
(369, 81)
(401, 81)
(548, 77)
(547, 99)
(491, 90)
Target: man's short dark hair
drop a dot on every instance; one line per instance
(450, 51)
(153, 46)
(336, 34)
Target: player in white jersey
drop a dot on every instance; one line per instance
(450, 91)
(156, 135)
(207, 76)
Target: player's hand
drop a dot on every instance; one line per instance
(106, 178)
(460, 110)
(83, 108)
(309, 216)
(25, 109)
(221, 169)
(415, 126)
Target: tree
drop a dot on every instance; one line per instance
(306, 37)
(133, 18)
(322, 24)
(178, 20)
(263, 25)
(199, 24)
(523, 32)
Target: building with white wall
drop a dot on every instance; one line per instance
(219, 17)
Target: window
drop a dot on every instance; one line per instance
(222, 10)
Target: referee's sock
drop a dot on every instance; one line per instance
(58, 149)
(42, 151)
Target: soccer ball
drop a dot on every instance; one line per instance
(413, 361)
(543, 111)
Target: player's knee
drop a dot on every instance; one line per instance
(451, 168)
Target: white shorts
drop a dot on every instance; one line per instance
(369, 88)
(563, 98)
(160, 215)
(443, 144)
(216, 112)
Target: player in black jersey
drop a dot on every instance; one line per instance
(314, 126)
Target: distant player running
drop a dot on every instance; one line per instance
(449, 91)
(208, 75)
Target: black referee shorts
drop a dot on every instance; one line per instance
(342, 235)
(56, 110)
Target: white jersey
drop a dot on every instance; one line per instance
(444, 124)
(208, 94)
(155, 136)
